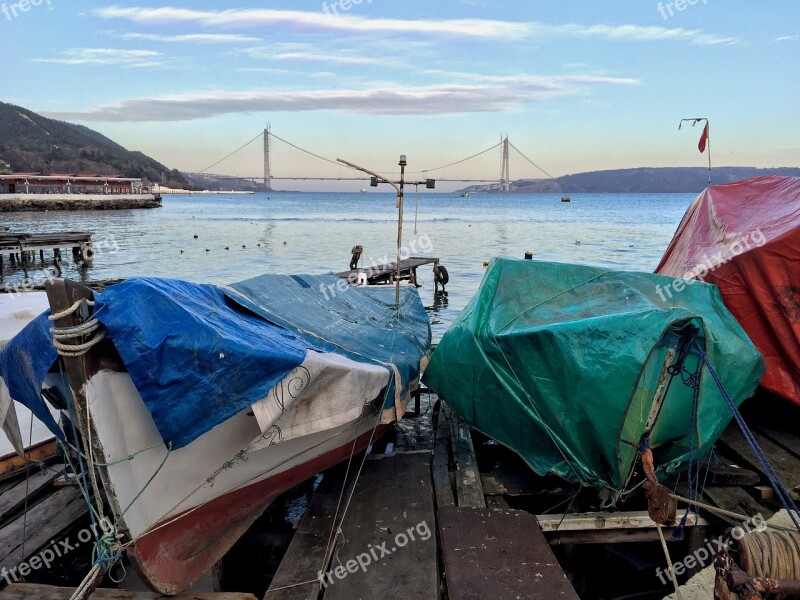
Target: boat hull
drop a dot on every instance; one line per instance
(181, 550)
(744, 237)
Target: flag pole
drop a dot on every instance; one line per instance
(706, 136)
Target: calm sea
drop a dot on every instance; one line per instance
(314, 232)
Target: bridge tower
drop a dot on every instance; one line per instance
(505, 176)
(267, 165)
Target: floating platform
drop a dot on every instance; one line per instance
(386, 273)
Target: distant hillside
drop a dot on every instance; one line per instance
(33, 143)
(204, 181)
(643, 180)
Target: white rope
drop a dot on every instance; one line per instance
(73, 350)
(669, 563)
(61, 333)
(68, 311)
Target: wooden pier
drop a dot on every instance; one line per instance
(387, 273)
(437, 511)
(21, 248)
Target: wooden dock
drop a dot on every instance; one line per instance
(21, 248)
(387, 273)
(437, 511)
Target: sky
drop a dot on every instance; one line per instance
(576, 85)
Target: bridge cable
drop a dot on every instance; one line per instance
(460, 161)
(530, 161)
(338, 164)
(231, 154)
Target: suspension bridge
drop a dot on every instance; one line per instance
(268, 137)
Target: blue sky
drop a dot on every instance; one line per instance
(579, 85)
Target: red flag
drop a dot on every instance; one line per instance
(703, 140)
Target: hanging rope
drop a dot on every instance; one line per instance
(416, 209)
(783, 494)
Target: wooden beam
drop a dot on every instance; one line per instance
(14, 464)
(12, 500)
(595, 521)
(468, 478)
(30, 591)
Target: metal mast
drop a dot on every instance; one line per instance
(505, 173)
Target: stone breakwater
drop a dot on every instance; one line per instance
(44, 202)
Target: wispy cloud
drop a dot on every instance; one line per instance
(474, 28)
(788, 38)
(105, 56)
(483, 94)
(193, 38)
(307, 54)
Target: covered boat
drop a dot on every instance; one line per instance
(744, 237)
(577, 369)
(202, 404)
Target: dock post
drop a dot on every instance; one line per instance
(41, 255)
(1, 264)
(86, 254)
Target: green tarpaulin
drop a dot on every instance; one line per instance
(562, 363)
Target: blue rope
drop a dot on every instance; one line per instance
(783, 494)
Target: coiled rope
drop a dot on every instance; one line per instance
(770, 554)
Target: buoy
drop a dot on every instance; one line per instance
(207, 250)
(227, 248)
(486, 263)
(244, 246)
(195, 236)
(528, 255)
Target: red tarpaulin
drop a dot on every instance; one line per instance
(745, 238)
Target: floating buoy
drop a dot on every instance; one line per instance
(227, 248)
(195, 236)
(244, 246)
(486, 263)
(207, 250)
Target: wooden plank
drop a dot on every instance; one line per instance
(604, 521)
(14, 465)
(786, 465)
(13, 499)
(736, 500)
(725, 471)
(788, 440)
(297, 575)
(493, 553)
(393, 501)
(45, 521)
(468, 481)
(440, 468)
(20, 591)
(378, 272)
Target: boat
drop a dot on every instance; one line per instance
(465, 194)
(566, 199)
(204, 403)
(579, 369)
(744, 237)
(16, 311)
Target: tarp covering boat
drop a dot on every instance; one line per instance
(197, 358)
(744, 237)
(564, 364)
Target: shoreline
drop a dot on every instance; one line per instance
(46, 202)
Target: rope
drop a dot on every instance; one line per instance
(773, 555)
(76, 350)
(783, 494)
(669, 562)
(726, 513)
(68, 311)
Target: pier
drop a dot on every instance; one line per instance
(386, 273)
(434, 511)
(21, 248)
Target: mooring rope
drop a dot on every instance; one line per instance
(783, 494)
(773, 555)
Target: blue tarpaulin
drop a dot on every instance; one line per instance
(198, 359)
(359, 323)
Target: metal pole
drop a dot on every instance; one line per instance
(708, 147)
(403, 164)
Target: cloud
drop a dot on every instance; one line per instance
(307, 54)
(105, 56)
(197, 38)
(351, 23)
(788, 38)
(481, 94)
(315, 21)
